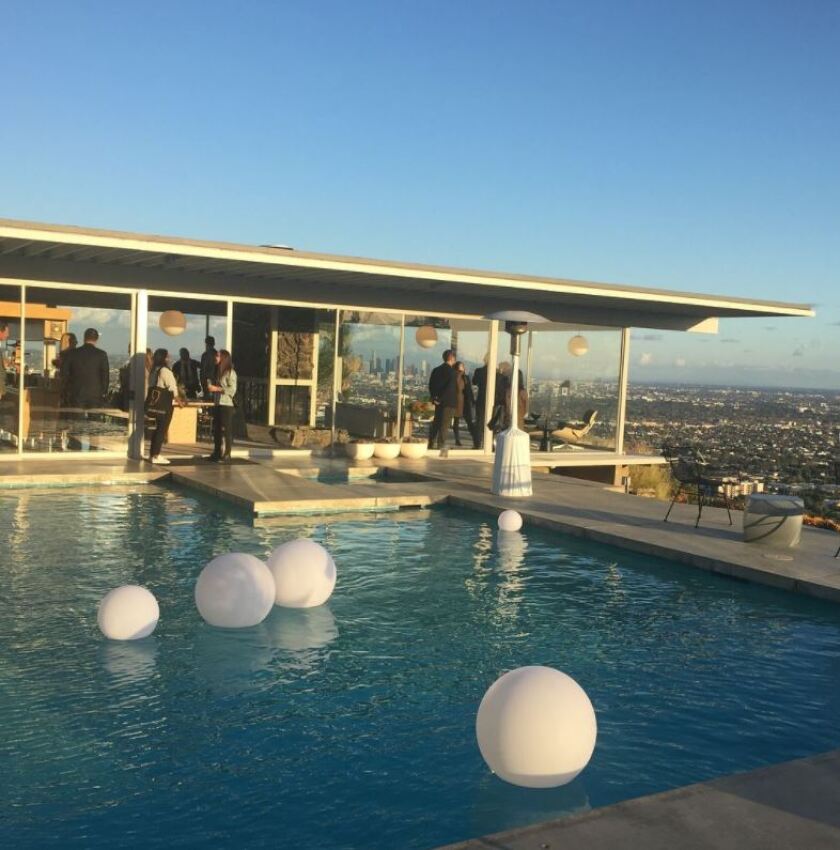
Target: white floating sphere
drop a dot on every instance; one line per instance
(426, 336)
(510, 521)
(536, 727)
(578, 346)
(173, 322)
(234, 591)
(129, 612)
(304, 574)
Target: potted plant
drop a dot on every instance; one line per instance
(413, 448)
(361, 449)
(386, 448)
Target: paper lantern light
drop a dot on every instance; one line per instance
(173, 322)
(426, 336)
(510, 521)
(304, 574)
(578, 346)
(536, 727)
(129, 612)
(234, 591)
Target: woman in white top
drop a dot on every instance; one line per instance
(224, 393)
(161, 376)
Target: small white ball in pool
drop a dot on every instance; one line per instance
(536, 727)
(510, 521)
(129, 612)
(304, 574)
(234, 591)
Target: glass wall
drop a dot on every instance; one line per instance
(181, 326)
(426, 338)
(573, 383)
(75, 345)
(9, 367)
(369, 348)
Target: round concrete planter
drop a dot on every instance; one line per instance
(359, 451)
(386, 451)
(413, 451)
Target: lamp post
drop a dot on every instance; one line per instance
(512, 465)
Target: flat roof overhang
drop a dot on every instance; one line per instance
(33, 252)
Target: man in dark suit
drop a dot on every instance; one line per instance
(186, 373)
(85, 373)
(443, 390)
(208, 366)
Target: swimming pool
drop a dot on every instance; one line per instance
(352, 725)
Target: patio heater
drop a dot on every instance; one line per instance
(512, 466)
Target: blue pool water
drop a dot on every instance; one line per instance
(352, 725)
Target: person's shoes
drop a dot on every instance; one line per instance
(226, 459)
(458, 443)
(161, 461)
(213, 458)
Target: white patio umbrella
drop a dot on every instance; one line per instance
(512, 467)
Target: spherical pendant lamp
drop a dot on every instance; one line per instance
(426, 336)
(578, 346)
(173, 322)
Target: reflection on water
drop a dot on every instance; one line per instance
(129, 662)
(300, 629)
(493, 797)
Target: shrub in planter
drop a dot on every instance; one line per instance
(386, 449)
(413, 448)
(359, 449)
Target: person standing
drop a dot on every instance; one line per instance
(85, 373)
(464, 407)
(208, 365)
(443, 390)
(224, 391)
(161, 376)
(186, 373)
(4, 335)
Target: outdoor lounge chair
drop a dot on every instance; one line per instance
(570, 433)
(694, 478)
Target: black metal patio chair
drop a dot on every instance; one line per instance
(695, 478)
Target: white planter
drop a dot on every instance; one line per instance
(359, 451)
(413, 451)
(386, 451)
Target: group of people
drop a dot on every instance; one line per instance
(451, 392)
(214, 376)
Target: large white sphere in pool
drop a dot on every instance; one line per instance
(304, 574)
(510, 521)
(536, 727)
(234, 591)
(129, 612)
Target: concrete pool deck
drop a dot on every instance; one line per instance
(305, 485)
(787, 806)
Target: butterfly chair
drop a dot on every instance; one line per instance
(694, 478)
(570, 433)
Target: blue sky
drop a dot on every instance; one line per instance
(682, 145)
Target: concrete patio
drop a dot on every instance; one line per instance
(784, 807)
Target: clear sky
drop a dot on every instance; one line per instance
(687, 145)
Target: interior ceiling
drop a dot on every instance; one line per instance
(56, 261)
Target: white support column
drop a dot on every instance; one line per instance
(22, 373)
(529, 363)
(337, 368)
(623, 373)
(313, 387)
(400, 367)
(272, 369)
(229, 327)
(137, 375)
(490, 389)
